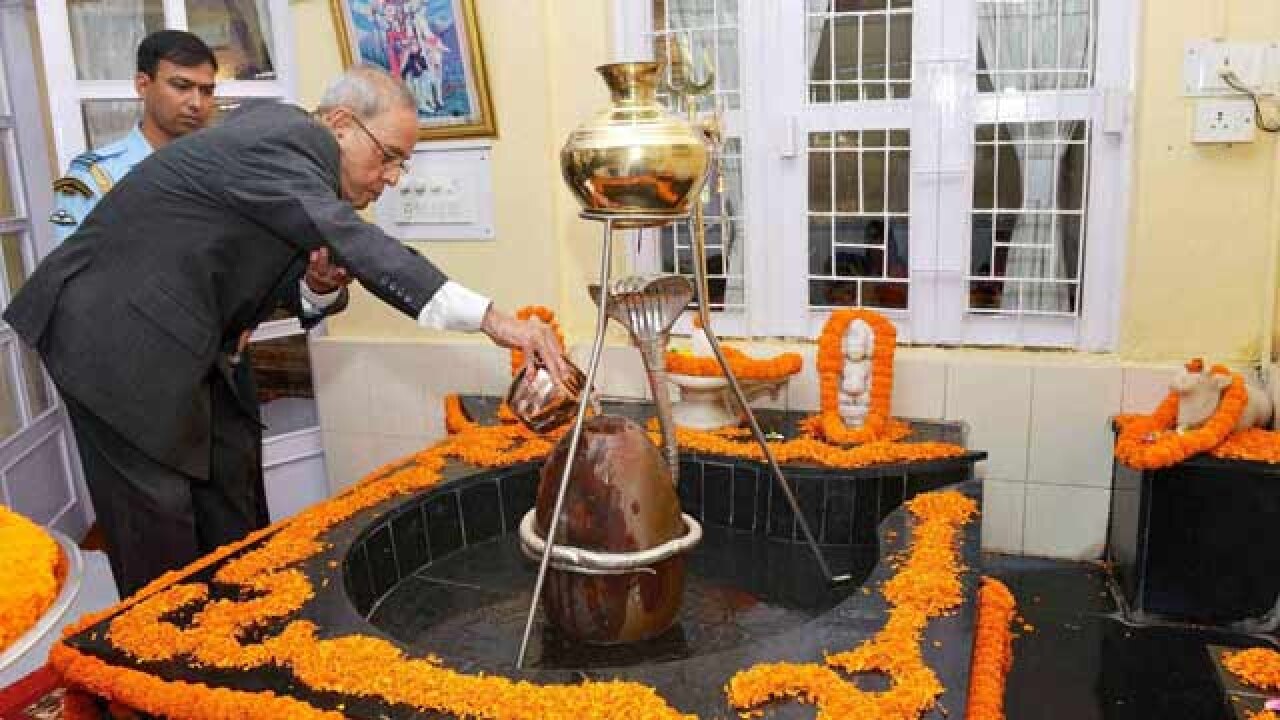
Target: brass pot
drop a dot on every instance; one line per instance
(635, 158)
(620, 500)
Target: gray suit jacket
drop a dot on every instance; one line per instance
(192, 247)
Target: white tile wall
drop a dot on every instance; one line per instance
(995, 400)
(1003, 510)
(341, 385)
(1066, 522)
(1071, 441)
(919, 388)
(349, 456)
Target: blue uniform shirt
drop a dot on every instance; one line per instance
(96, 171)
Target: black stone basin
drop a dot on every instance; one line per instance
(440, 572)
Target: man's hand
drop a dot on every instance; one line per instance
(324, 277)
(534, 337)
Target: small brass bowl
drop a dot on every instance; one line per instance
(539, 402)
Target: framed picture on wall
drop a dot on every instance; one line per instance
(434, 45)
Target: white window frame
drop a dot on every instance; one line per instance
(66, 92)
(942, 114)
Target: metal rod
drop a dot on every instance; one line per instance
(700, 272)
(602, 318)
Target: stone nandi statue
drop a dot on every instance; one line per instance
(1199, 391)
(855, 382)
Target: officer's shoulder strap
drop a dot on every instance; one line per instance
(92, 163)
(72, 186)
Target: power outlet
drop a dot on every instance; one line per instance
(1224, 121)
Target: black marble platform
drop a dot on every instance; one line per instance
(1198, 542)
(1079, 659)
(438, 571)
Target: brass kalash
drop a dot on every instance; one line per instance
(613, 571)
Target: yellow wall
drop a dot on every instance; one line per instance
(1200, 269)
(1200, 265)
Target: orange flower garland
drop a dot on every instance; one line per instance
(879, 425)
(992, 651)
(734, 443)
(1259, 667)
(30, 563)
(545, 315)
(926, 586)
(1150, 442)
(1254, 444)
(744, 366)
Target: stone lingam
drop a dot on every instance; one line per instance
(618, 568)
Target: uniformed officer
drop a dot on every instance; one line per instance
(175, 81)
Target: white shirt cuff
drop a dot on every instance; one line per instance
(314, 302)
(454, 307)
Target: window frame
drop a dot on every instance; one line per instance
(942, 113)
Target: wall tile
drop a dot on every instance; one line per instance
(995, 401)
(1066, 522)
(1071, 440)
(1003, 515)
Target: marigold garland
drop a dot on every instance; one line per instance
(737, 442)
(1253, 444)
(273, 588)
(927, 585)
(545, 315)
(30, 565)
(992, 651)
(879, 425)
(1259, 667)
(1150, 442)
(744, 366)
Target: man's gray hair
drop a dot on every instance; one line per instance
(368, 91)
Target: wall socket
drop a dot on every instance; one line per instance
(1223, 121)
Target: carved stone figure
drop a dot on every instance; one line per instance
(855, 380)
(1200, 390)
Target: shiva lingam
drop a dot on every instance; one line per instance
(632, 166)
(617, 564)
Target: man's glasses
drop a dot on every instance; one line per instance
(389, 158)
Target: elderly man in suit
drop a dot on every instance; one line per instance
(136, 312)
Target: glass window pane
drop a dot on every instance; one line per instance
(38, 395)
(833, 293)
(820, 181)
(1035, 172)
(10, 415)
(8, 187)
(1035, 45)
(15, 261)
(238, 32)
(863, 46)
(105, 35)
(106, 121)
(820, 245)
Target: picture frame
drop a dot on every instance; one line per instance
(435, 47)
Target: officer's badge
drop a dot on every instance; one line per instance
(72, 186)
(61, 217)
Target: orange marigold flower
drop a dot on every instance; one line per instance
(30, 570)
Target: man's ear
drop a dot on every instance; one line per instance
(141, 83)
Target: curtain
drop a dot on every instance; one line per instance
(105, 35)
(1015, 39)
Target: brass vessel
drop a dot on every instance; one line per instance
(635, 158)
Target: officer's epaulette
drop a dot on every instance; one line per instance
(92, 163)
(72, 186)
